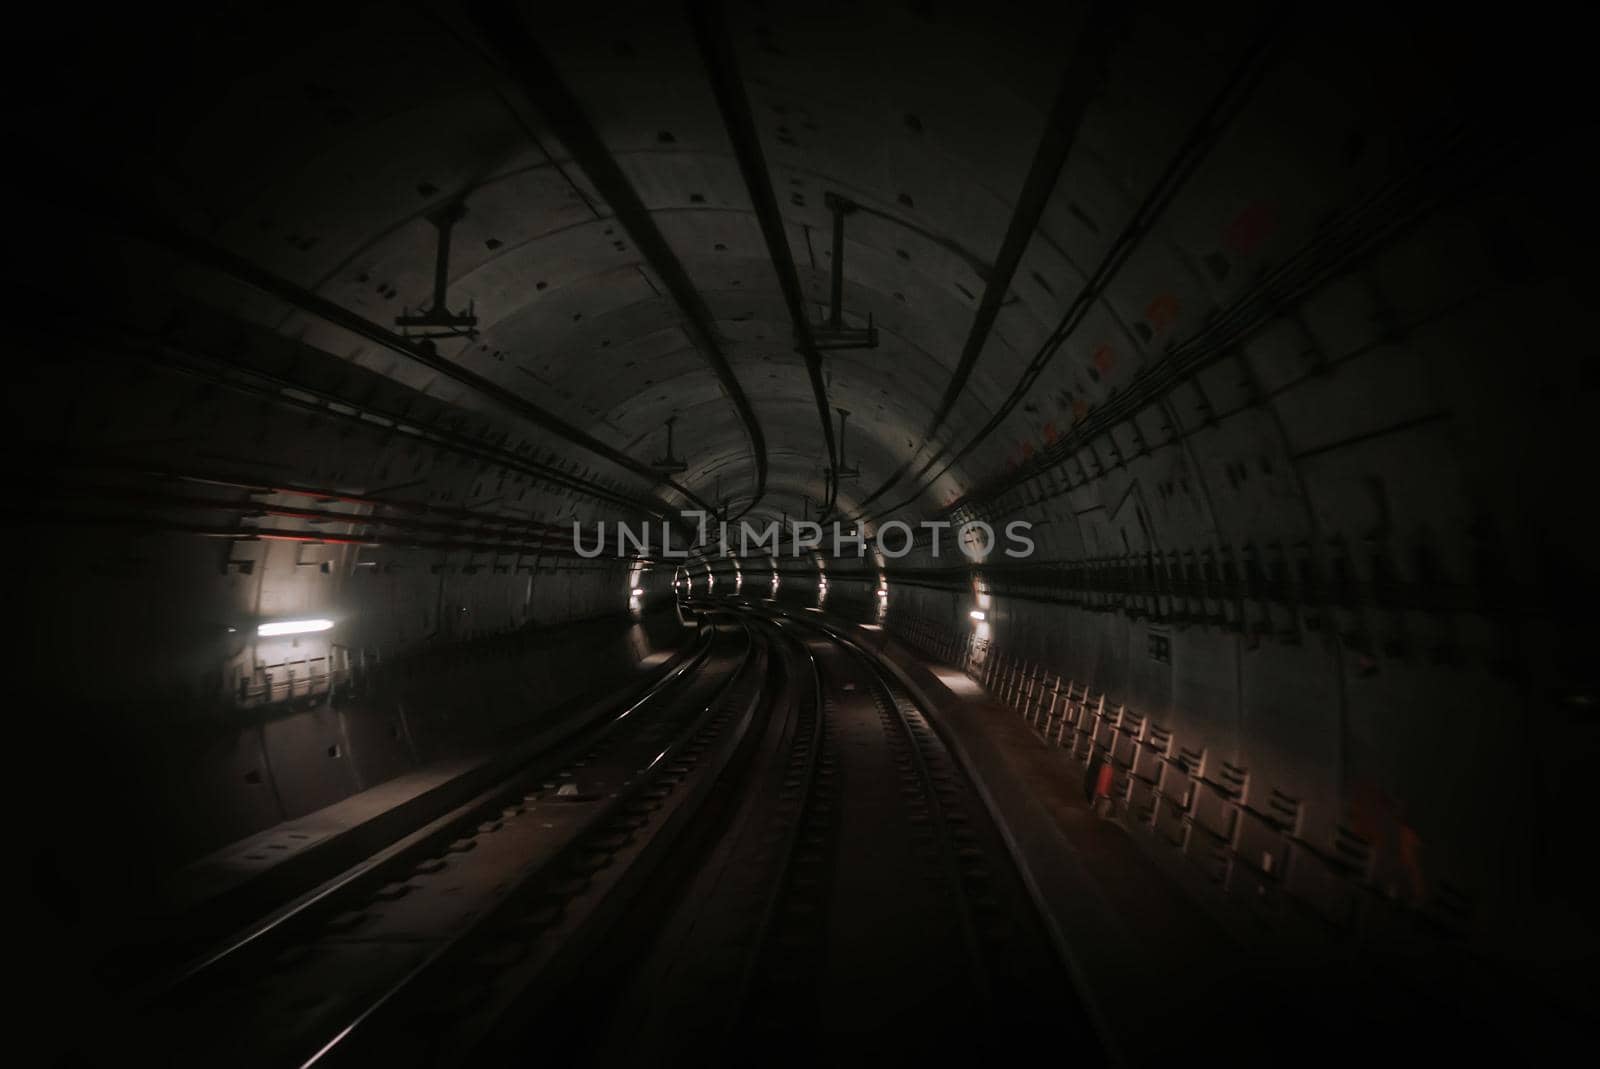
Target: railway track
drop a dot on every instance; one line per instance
(919, 939)
(310, 985)
(771, 851)
(858, 902)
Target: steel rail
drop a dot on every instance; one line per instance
(401, 852)
(341, 1047)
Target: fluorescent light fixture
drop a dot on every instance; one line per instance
(637, 591)
(293, 627)
(977, 614)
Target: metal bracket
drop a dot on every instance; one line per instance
(833, 334)
(846, 471)
(438, 321)
(669, 464)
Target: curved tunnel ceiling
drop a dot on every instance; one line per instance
(1044, 215)
(1049, 220)
(1189, 161)
(325, 157)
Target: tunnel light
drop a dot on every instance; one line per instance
(637, 591)
(293, 627)
(977, 614)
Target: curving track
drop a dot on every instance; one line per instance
(771, 854)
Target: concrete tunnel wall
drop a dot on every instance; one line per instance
(1332, 399)
(1408, 722)
(153, 703)
(433, 659)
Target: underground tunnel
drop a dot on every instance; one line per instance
(746, 533)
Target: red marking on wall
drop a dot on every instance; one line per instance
(1162, 311)
(1250, 228)
(1104, 359)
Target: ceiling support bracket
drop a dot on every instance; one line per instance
(834, 334)
(438, 321)
(844, 471)
(671, 464)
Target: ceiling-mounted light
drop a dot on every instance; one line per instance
(638, 591)
(293, 627)
(977, 614)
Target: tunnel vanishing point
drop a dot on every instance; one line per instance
(339, 330)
